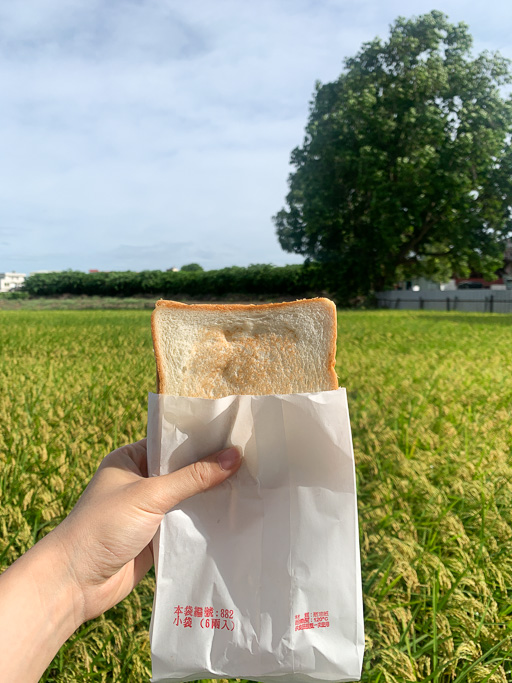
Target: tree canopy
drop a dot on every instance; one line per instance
(406, 164)
(192, 268)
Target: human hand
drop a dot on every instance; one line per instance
(94, 558)
(106, 540)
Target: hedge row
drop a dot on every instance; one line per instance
(293, 280)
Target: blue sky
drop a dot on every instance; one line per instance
(152, 134)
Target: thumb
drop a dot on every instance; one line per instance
(167, 490)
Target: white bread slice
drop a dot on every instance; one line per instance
(211, 351)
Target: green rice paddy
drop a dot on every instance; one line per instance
(430, 397)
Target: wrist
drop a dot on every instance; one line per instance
(56, 584)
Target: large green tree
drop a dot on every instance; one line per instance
(406, 165)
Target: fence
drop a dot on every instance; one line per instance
(468, 300)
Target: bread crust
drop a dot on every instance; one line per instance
(229, 308)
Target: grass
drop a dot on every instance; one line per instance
(74, 386)
(74, 303)
(430, 397)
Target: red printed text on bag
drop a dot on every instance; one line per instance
(189, 616)
(311, 620)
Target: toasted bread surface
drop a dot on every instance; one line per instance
(211, 351)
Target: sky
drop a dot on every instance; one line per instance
(148, 134)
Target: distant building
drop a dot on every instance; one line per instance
(423, 285)
(474, 281)
(449, 286)
(480, 283)
(11, 281)
(418, 284)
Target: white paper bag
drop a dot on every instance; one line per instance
(258, 578)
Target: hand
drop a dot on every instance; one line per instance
(106, 539)
(94, 558)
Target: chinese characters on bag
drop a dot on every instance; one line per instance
(204, 617)
(208, 618)
(311, 620)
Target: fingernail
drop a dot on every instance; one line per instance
(228, 458)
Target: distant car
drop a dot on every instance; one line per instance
(470, 285)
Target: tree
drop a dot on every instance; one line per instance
(192, 268)
(406, 165)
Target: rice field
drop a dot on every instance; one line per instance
(430, 396)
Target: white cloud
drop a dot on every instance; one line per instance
(156, 123)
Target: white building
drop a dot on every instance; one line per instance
(10, 281)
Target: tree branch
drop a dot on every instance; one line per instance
(416, 238)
